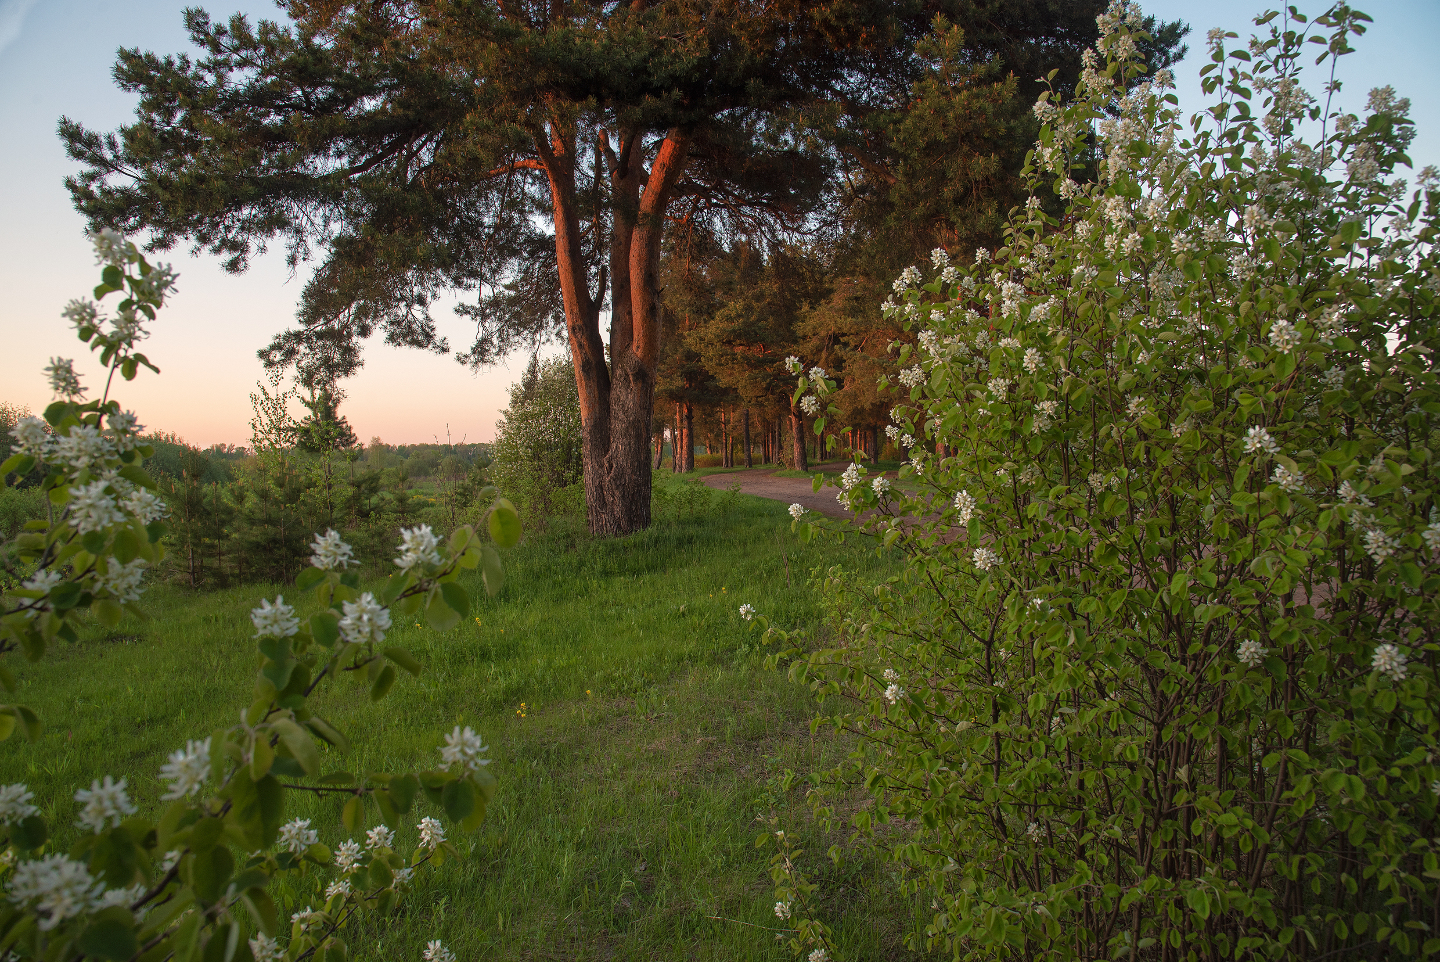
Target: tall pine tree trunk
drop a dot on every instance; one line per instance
(797, 429)
(675, 443)
(747, 439)
(689, 452)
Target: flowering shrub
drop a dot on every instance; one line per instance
(195, 879)
(1159, 678)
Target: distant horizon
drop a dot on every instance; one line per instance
(56, 59)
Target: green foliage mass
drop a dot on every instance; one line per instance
(1159, 680)
(537, 442)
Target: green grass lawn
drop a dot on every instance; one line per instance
(626, 819)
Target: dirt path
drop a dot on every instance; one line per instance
(762, 483)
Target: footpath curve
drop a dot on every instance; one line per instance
(762, 483)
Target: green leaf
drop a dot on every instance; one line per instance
(7, 725)
(441, 616)
(298, 741)
(29, 833)
(210, 872)
(383, 683)
(262, 909)
(110, 935)
(31, 722)
(403, 791)
(404, 659)
(107, 612)
(504, 524)
(458, 800)
(456, 598)
(325, 628)
(352, 816)
(309, 578)
(1411, 573)
(492, 572)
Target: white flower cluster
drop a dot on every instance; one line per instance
(1045, 414)
(851, 477)
(330, 553)
(796, 510)
(463, 749)
(964, 506)
(1032, 362)
(1251, 653)
(274, 621)
(103, 803)
(435, 951)
(747, 612)
(894, 693)
(122, 581)
(56, 889)
(782, 910)
(265, 949)
(913, 377)
(15, 803)
(418, 547)
(1349, 495)
(1288, 480)
(432, 833)
(92, 508)
(1389, 660)
(296, 835)
(365, 620)
(881, 484)
(347, 856)
(1284, 336)
(985, 559)
(1259, 441)
(187, 771)
(379, 837)
(64, 382)
(999, 387)
(810, 405)
(1379, 545)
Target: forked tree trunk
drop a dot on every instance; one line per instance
(616, 393)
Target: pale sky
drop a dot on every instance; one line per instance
(55, 59)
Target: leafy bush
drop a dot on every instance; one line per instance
(201, 879)
(1159, 678)
(538, 445)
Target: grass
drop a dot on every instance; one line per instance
(630, 786)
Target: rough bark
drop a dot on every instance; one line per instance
(689, 452)
(747, 439)
(616, 398)
(874, 444)
(797, 428)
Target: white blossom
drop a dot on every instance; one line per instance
(892, 432)
(819, 955)
(1258, 440)
(432, 833)
(435, 951)
(306, 918)
(1349, 495)
(347, 856)
(1389, 660)
(330, 552)
(965, 506)
(187, 771)
(56, 888)
(1431, 534)
(810, 405)
(111, 248)
(92, 508)
(122, 581)
(43, 580)
(1284, 336)
(403, 876)
(1032, 362)
(81, 447)
(379, 837)
(894, 693)
(1034, 832)
(462, 750)
(103, 803)
(365, 620)
(984, 558)
(296, 835)
(1288, 480)
(418, 546)
(1251, 653)
(64, 382)
(265, 949)
(907, 441)
(1379, 545)
(32, 436)
(851, 477)
(912, 376)
(747, 612)
(274, 621)
(782, 910)
(145, 505)
(338, 888)
(15, 803)
(796, 510)
(881, 484)
(999, 387)
(1137, 407)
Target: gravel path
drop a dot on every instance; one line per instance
(762, 483)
